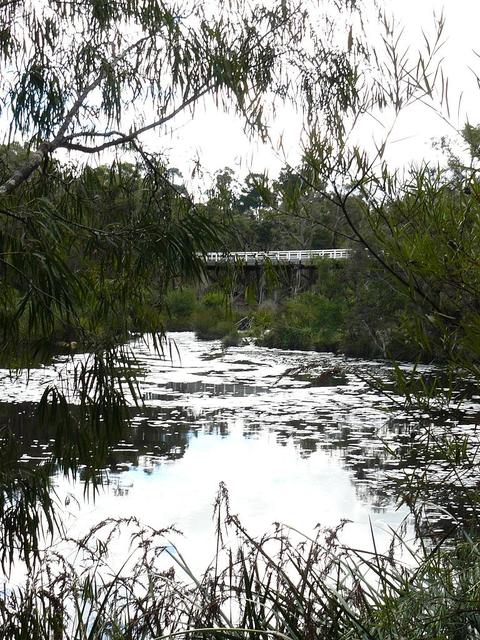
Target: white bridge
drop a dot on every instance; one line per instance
(293, 257)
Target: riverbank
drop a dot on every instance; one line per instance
(351, 307)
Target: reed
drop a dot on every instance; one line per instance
(284, 585)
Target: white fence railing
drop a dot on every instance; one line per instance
(297, 257)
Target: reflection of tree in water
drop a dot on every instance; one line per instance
(19, 418)
(434, 471)
(216, 425)
(360, 447)
(452, 510)
(150, 435)
(162, 433)
(381, 461)
(159, 434)
(443, 453)
(34, 442)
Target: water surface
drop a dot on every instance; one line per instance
(297, 437)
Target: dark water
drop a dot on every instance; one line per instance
(297, 437)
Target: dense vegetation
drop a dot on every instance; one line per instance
(352, 308)
(392, 301)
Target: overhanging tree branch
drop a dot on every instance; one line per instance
(124, 138)
(36, 158)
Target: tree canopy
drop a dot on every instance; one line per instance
(92, 76)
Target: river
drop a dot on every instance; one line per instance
(297, 437)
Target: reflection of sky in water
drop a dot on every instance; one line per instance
(266, 481)
(297, 437)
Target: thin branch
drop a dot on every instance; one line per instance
(35, 160)
(123, 138)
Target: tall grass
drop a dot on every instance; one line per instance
(282, 585)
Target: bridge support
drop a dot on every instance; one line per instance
(255, 283)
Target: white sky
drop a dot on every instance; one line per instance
(218, 140)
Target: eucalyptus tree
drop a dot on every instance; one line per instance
(420, 222)
(85, 252)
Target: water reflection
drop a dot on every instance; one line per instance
(210, 389)
(265, 420)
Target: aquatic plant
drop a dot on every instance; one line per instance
(284, 585)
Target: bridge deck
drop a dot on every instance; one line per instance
(293, 257)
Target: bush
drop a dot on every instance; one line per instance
(308, 321)
(263, 318)
(214, 300)
(209, 326)
(207, 331)
(214, 318)
(181, 302)
(286, 337)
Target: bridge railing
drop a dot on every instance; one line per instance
(297, 257)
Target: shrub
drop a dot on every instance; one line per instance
(209, 326)
(308, 321)
(263, 318)
(181, 303)
(214, 300)
(287, 337)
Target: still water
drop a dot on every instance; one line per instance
(297, 437)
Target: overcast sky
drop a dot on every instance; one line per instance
(218, 140)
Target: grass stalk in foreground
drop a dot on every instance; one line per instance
(283, 585)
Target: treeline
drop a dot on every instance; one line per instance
(270, 214)
(115, 249)
(352, 308)
(118, 237)
(407, 292)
